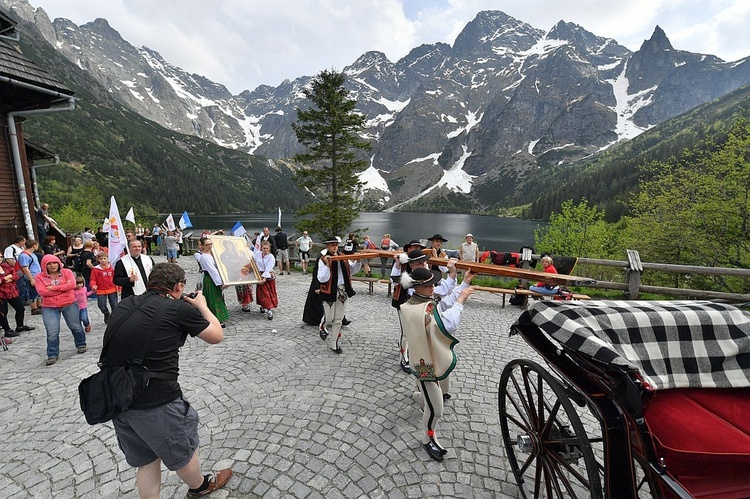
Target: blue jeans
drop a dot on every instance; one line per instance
(51, 319)
(542, 290)
(83, 316)
(101, 300)
(23, 289)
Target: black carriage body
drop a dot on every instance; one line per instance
(615, 393)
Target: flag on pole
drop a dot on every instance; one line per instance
(238, 229)
(279, 222)
(117, 244)
(170, 222)
(130, 217)
(185, 221)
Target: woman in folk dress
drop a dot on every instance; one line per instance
(213, 286)
(265, 292)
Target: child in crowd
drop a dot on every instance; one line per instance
(103, 285)
(265, 293)
(87, 262)
(82, 295)
(170, 242)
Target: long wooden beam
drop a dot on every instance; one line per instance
(482, 268)
(532, 275)
(371, 253)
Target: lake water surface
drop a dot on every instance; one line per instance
(498, 233)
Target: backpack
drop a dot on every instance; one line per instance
(113, 389)
(17, 266)
(349, 248)
(519, 300)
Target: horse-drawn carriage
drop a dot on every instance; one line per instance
(641, 399)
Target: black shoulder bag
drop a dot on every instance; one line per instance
(110, 391)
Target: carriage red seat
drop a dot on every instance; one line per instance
(692, 361)
(703, 436)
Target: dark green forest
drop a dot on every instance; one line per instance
(608, 179)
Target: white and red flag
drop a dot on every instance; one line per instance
(118, 245)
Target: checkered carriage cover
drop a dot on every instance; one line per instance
(674, 344)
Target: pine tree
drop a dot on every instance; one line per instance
(329, 130)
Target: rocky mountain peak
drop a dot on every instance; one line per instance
(493, 32)
(496, 108)
(600, 50)
(369, 63)
(658, 41)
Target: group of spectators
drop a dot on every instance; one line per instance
(55, 284)
(158, 289)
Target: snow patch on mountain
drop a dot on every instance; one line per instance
(434, 157)
(455, 178)
(627, 105)
(472, 120)
(371, 179)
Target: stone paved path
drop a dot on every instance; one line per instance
(289, 416)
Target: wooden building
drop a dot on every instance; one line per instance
(25, 90)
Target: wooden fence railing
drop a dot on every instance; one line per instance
(634, 269)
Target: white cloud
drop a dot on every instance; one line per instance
(244, 44)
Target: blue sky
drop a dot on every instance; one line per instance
(244, 43)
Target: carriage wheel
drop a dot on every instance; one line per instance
(546, 444)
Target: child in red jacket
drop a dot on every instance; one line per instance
(103, 285)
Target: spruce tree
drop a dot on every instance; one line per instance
(329, 129)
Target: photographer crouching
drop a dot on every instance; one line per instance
(160, 425)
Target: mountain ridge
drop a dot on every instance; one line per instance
(496, 108)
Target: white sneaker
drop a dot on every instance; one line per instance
(270, 315)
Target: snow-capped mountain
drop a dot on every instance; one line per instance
(503, 102)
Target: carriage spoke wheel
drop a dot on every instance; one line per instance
(546, 444)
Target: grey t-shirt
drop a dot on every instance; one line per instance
(171, 242)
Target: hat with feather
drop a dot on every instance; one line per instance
(420, 277)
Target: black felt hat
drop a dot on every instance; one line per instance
(416, 256)
(413, 243)
(420, 277)
(438, 237)
(332, 240)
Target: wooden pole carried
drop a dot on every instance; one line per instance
(370, 253)
(502, 271)
(482, 268)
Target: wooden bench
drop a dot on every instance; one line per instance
(390, 285)
(525, 292)
(370, 282)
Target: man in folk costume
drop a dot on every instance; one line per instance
(335, 278)
(429, 324)
(436, 245)
(414, 260)
(402, 265)
(132, 271)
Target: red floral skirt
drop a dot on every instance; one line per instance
(266, 295)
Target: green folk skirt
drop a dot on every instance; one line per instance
(215, 299)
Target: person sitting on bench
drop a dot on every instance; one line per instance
(541, 287)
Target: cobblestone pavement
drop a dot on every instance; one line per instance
(288, 415)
